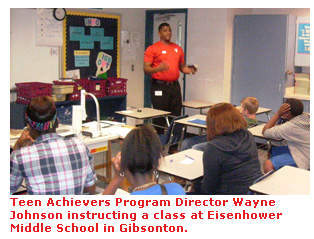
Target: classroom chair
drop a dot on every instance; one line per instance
(174, 135)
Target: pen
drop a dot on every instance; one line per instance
(187, 156)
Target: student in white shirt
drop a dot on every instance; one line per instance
(296, 131)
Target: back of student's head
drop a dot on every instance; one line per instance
(296, 106)
(41, 114)
(141, 150)
(250, 104)
(223, 118)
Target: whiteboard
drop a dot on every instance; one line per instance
(302, 48)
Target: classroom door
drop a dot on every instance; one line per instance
(260, 58)
(177, 20)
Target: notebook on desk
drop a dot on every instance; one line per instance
(198, 121)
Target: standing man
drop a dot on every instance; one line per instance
(163, 61)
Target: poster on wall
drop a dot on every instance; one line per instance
(92, 44)
(48, 30)
(303, 40)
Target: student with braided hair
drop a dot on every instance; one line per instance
(50, 164)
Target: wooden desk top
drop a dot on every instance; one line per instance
(144, 114)
(185, 121)
(257, 132)
(285, 181)
(182, 166)
(262, 110)
(197, 104)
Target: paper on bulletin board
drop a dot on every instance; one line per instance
(103, 63)
(81, 58)
(74, 74)
(49, 30)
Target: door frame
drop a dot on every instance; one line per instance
(149, 36)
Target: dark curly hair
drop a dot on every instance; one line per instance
(141, 150)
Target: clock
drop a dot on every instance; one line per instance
(59, 13)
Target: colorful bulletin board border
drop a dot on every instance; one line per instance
(86, 35)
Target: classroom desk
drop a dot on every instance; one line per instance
(262, 110)
(98, 145)
(145, 113)
(285, 181)
(197, 104)
(95, 145)
(180, 165)
(185, 121)
(257, 132)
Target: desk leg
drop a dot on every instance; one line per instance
(108, 162)
(268, 116)
(167, 120)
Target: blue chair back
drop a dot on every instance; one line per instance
(174, 135)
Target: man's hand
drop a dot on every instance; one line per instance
(163, 66)
(193, 69)
(148, 69)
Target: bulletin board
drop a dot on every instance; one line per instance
(91, 44)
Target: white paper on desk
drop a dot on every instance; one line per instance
(111, 123)
(93, 125)
(187, 160)
(121, 131)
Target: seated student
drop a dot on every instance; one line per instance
(296, 131)
(248, 109)
(139, 158)
(230, 157)
(49, 163)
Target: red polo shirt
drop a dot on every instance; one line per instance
(171, 54)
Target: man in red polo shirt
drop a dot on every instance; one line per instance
(163, 61)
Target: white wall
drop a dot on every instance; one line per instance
(206, 47)
(209, 44)
(290, 11)
(29, 62)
